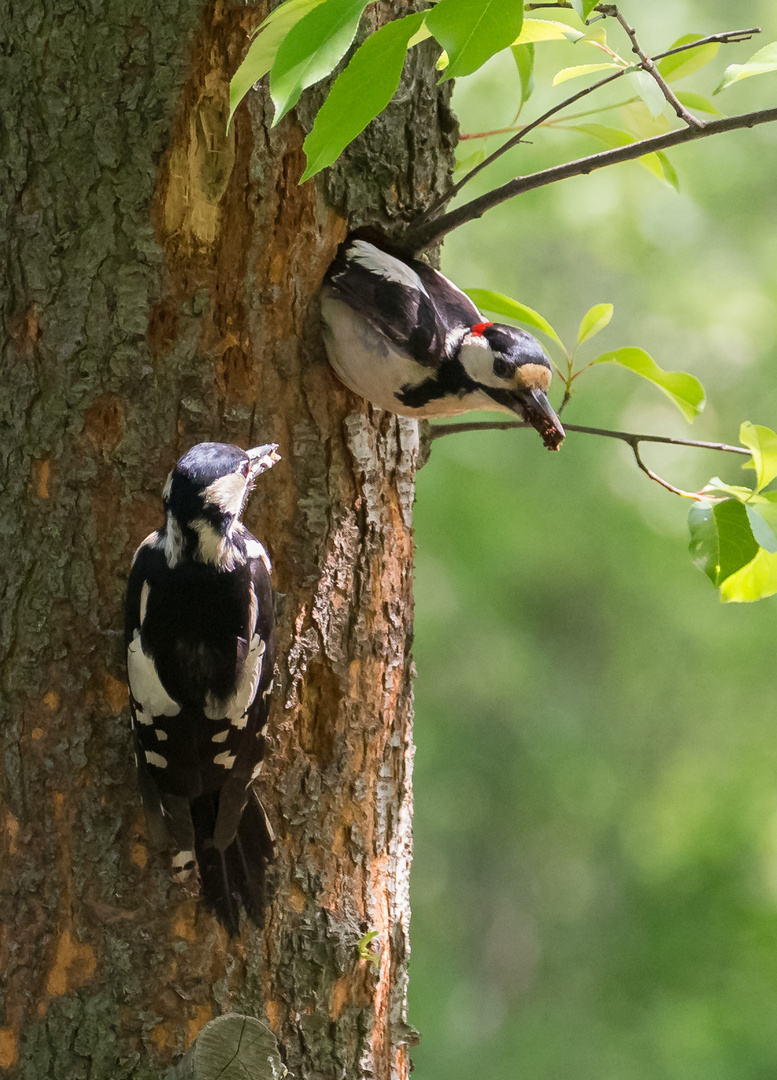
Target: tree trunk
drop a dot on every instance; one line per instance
(159, 281)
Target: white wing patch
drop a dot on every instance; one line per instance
(155, 759)
(220, 736)
(144, 595)
(145, 684)
(226, 759)
(235, 707)
(385, 265)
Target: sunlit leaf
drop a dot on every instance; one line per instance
(685, 63)
(524, 62)
(697, 102)
(582, 69)
(738, 492)
(594, 320)
(762, 444)
(584, 7)
(359, 93)
(264, 48)
(312, 49)
(499, 304)
(753, 582)
(471, 31)
(764, 61)
(534, 30)
(422, 34)
(469, 161)
(722, 541)
(683, 389)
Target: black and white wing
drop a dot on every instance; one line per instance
(391, 296)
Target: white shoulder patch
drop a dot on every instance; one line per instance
(256, 550)
(145, 684)
(385, 265)
(153, 540)
(144, 594)
(235, 707)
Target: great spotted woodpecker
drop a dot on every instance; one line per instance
(402, 335)
(200, 642)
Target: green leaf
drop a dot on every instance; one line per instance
(668, 170)
(365, 952)
(649, 90)
(312, 49)
(685, 63)
(499, 304)
(582, 69)
(524, 61)
(359, 93)
(762, 444)
(534, 30)
(697, 102)
(684, 390)
(264, 48)
(471, 31)
(615, 137)
(741, 493)
(754, 581)
(584, 7)
(722, 541)
(594, 320)
(761, 529)
(764, 61)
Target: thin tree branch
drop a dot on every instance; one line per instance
(649, 66)
(437, 431)
(726, 37)
(424, 234)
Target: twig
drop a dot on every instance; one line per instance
(726, 37)
(630, 438)
(424, 234)
(649, 66)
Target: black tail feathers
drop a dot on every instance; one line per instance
(234, 878)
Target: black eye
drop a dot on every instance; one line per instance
(502, 369)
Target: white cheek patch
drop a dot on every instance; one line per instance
(216, 548)
(384, 265)
(477, 360)
(145, 684)
(227, 493)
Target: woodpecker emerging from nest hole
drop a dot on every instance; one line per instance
(402, 335)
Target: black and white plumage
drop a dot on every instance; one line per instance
(402, 335)
(200, 642)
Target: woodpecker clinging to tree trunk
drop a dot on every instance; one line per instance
(200, 652)
(402, 335)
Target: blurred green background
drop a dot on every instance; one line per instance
(595, 879)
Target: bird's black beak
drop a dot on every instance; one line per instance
(262, 458)
(533, 407)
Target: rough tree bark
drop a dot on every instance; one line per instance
(159, 284)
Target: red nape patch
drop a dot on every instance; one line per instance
(479, 327)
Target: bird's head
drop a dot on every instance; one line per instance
(207, 490)
(512, 368)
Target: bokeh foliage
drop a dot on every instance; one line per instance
(595, 881)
